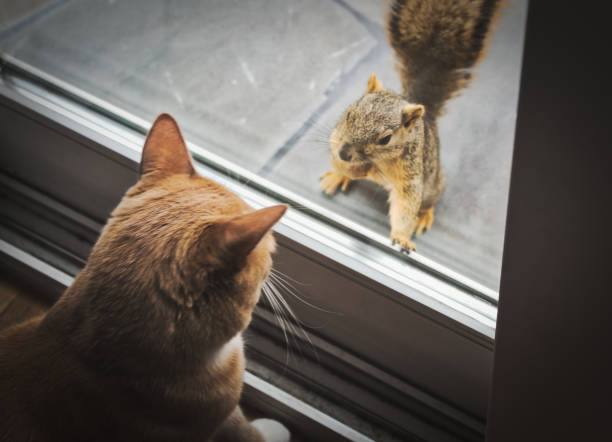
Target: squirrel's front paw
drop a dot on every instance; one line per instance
(331, 180)
(404, 242)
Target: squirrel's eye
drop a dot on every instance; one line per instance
(384, 140)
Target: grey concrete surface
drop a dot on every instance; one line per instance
(245, 78)
(11, 11)
(240, 77)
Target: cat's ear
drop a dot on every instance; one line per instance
(239, 236)
(373, 85)
(165, 152)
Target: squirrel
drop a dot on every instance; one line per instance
(392, 139)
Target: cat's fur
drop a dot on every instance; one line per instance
(145, 344)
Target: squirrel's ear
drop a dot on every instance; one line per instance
(373, 85)
(411, 113)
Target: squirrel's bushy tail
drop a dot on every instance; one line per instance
(435, 42)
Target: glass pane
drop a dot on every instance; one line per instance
(263, 82)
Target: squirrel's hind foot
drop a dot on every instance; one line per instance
(331, 180)
(425, 220)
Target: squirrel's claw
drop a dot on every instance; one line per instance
(404, 241)
(331, 180)
(425, 220)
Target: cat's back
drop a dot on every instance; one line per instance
(24, 362)
(50, 393)
(55, 395)
(19, 350)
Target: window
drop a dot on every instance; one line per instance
(262, 83)
(256, 87)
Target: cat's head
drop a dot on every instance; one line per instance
(183, 246)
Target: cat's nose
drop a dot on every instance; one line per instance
(345, 154)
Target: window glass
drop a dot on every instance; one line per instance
(262, 83)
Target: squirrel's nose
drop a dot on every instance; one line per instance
(345, 155)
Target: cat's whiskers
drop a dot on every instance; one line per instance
(281, 279)
(294, 324)
(282, 312)
(278, 314)
(283, 304)
(292, 327)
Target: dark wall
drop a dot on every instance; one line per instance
(552, 370)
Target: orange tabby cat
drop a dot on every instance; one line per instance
(145, 344)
